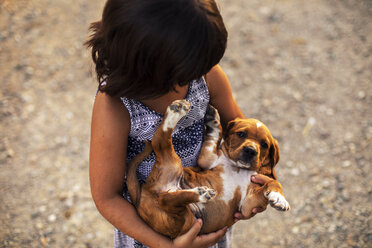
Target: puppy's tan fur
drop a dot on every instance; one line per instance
(173, 197)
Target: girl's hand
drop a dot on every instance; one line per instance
(261, 180)
(192, 240)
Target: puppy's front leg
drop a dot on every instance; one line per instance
(259, 196)
(274, 194)
(212, 139)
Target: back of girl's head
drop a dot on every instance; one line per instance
(144, 48)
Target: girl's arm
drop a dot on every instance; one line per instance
(109, 136)
(221, 95)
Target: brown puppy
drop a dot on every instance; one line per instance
(173, 197)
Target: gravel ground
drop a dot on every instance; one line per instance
(302, 67)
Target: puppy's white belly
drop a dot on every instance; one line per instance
(171, 186)
(233, 178)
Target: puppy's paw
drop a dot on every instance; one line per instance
(205, 194)
(180, 106)
(175, 112)
(277, 201)
(212, 118)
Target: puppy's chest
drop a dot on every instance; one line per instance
(235, 181)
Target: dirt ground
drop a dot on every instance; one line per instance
(302, 67)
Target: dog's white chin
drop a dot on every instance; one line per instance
(240, 164)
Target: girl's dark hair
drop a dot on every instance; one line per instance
(144, 48)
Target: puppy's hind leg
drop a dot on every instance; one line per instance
(177, 201)
(176, 204)
(212, 139)
(162, 140)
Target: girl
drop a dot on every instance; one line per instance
(149, 53)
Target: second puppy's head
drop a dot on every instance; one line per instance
(249, 144)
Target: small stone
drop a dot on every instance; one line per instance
(361, 95)
(42, 209)
(69, 115)
(346, 164)
(345, 196)
(35, 215)
(43, 241)
(76, 188)
(10, 152)
(326, 183)
(274, 17)
(266, 102)
(352, 148)
(332, 228)
(39, 226)
(30, 108)
(71, 239)
(68, 213)
(29, 70)
(52, 218)
(348, 136)
(330, 112)
(264, 10)
(297, 96)
(295, 172)
(290, 164)
(89, 236)
(295, 230)
(63, 196)
(309, 125)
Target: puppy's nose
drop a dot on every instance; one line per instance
(249, 151)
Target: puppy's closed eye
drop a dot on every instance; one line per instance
(264, 145)
(241, 135)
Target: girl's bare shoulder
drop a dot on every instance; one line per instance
(110, 113)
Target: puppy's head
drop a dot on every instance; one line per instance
(249, 144)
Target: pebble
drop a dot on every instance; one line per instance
(52, 218)
(264, 10)
(69, 115)
(68, 213)
(71, 239)
(295, 229)
(10, 152)
(297, 96)
(39, 225)
(309, 125)
(346, 163)
(42, 208)
(361, 95)
(295, 172)
(44, 241)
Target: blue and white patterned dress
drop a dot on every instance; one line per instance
(187, 141)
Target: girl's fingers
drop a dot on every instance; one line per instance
(260, 179)
(195, 229)
(210, 239)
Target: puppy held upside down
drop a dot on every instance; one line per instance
(219, 186)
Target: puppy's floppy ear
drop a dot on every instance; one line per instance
(228, 128)
(274, 153)
(273, 159)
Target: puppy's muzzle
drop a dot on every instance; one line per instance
(248, 157)
(249, 152)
